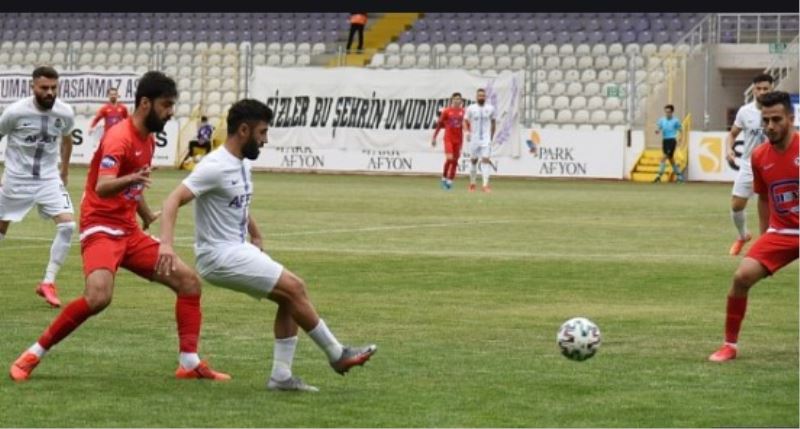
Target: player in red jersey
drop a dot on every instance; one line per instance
(452, 119)
(112, 111)
(777, 183)
(110, 236)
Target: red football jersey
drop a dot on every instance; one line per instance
(776, 175)
(452, 119)
(113, 114)
(121, 151)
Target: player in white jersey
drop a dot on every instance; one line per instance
(748, 120)
(222, 186)
(479, 123)
(38, 132)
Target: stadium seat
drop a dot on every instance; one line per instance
(601, 62)
(612, 103)
(318, 48)
(603, 127)
(564, 115)
(569, 62)
(534, 49)
(621, 76)
(581, 116)
(572, 75)
(100, 58)
(598, 117)
(649, 49)
(550, 49)
(547, 115)
(518, 49)
(552, 63)
(632, 49)
(59, 59)
(487, 63)
(303, 60)
(288, 60)
(568, 127)
(392, 48)
(588, 75)
(585, 62)
(544, 102)
(423, 61)
(561, 102)
(594, 103)
(408, 61)
(470, 49)
(577, 102)
(472, 62)
(619, 62)
(454, 49)
(566, 49)
(666, 49)
(455, 61)
(273, 60)
(519, 63)
(598, 49)
(44, 57)
(616, 117)
(229, 72)
(273, 48)
(542, 88)
(392, 60)
(584, 126)
(574, 88)
(615, 49)
(490, 73)
(304, 48)
(502, 49)
(213, 110)
(214, 71)
(504, 63)
(377, 60)
(555, 76)
(184, 110)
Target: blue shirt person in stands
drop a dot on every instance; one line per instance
(200, 146)
(669, 127)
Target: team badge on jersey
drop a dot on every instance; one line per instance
(58, 123)
(108, 162)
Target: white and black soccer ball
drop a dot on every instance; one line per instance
(579, 338)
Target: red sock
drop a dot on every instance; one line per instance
(189, 318)
(67, 321)
(735, 315)
(446, 168)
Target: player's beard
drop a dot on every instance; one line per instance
(251, 150)
(154, 123)
(45, 103)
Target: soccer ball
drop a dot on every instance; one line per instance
(578, 338)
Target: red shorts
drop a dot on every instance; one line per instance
(137, 252)
(775, 251)
(452, 148)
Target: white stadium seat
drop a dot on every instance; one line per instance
(318, 48)
(542, 88)
(273, 60)
(581, 116)
(598, 117)
(423, 49)
(393, 60)
(601, 62)
(408, 61)
(574, 88)
(599, 49)
(377, 60)
(585, 62)
(572, 75)
(552, 63)
(588, 75)
(518, 49)
(547, 115)
(544, 102)
(456, 61)
(288, 60)
(550, 49)
(566, 49)
(583, 49)
(561, 102)
(595, 103)
(591, 88)
(615, 49)
(304, 48)
(472, 62)
(501, 49)
(519, 63)
(534, 49)
(470, 49)
(577, 102)
(504, 63)
(487, 63)
(569, 62)
(621, 76)
(616, 117)
(584, 126)
(392, 48)
(454, 48)
(558, 88)
(564, 115)
(605, 76)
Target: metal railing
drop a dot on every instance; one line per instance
(754, 27)
(781, 66)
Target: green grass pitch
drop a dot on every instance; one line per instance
(463, 293)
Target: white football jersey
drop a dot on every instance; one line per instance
(34, 138)
(480, 121)
(748, 119)
(222, 185)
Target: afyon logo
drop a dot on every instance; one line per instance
(711, 154)
(533, 142)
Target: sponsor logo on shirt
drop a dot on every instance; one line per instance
(108, 162)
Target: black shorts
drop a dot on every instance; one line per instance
(668, 146)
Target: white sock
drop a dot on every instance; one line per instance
(326, 341)
(59, 250)
(282, 357)
(473, 173)
(731, 344)
(37, 349)
(2, 236)
(189, 360)
(486, 171)
(740, 220)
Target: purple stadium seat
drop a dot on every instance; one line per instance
(230, 24)
(483, 37)
(628, 37)
(468, 37)
(62, 24)
(103, 35)
(421, 37)
(452, 37)
(608, 24)
(611, 37)
(500, 37)
(317, 37)
(595, 37)
(644, 37)
(563, 37)
(546, 37)
(77, 34)
(578, 37)
(657, 24)
(231, 37)
(186, 36)
(661, 37)
(625, 24)
(21, 34)
(591, 25)
(144, 36)
(544, 24)
(675, 24)
(406, 37)
(514, 25)
(9, 34)
(62, 35)
(131, 35)
(515, 37)
(529, 37)
(215, 36)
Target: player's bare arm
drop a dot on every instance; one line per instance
(467, 128)
(439, 125)
(763, 213)
(148, 216)
(169, 209)
(730, 138)
(108, 185)
(494, 126)
(255, 233)
(66, 154)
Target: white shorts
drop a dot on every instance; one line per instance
(480, 150)
(743, 185)
(242, 268)
(17, 197)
